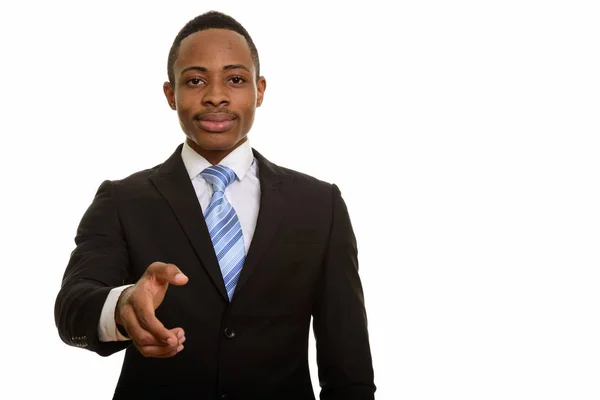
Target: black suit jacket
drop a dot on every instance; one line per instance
(302, 262)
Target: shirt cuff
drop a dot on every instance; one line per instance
(107, 327)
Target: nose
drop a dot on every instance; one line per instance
(215, 95)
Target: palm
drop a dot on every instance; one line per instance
(157, 290)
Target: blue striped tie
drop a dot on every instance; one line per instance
(224, 226)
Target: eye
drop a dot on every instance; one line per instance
(236, 80)
(194, 81)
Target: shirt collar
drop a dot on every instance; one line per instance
(239, 160)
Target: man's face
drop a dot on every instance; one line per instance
(215, 91)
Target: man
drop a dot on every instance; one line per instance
(249, 252)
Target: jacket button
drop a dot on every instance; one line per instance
(229, 334)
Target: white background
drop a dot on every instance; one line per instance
(464, 136)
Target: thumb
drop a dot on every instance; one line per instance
(167, 273)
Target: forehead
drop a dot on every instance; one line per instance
(213, 47)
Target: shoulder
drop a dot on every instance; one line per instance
(171, 166)
(131, 187)
(136, 179)
(303, 179)
(303, 189)
(298, 180)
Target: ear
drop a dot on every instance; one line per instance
(170, 95)
(261, 86)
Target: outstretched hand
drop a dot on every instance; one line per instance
(136, 306)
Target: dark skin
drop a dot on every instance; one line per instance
(214, 73)
(215, 93)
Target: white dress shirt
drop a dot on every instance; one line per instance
(243, 194)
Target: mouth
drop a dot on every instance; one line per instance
(216, 122)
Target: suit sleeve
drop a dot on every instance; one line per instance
(98, 264)
(339, 317)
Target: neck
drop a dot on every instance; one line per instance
(214, 156)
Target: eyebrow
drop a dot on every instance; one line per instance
(204, 69)
(235, 66)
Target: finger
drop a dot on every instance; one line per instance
(144, 311)
(137, 323)
(145, 338)
(136, 332)
(180, 335)
(167, 273)
(179, 332)
(159, 351)
(142, 337)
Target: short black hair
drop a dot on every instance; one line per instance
(210, 20)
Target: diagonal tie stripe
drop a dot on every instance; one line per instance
(215, 202)
(218, 218)
(219, 176)
(230, 262)
(224, 227)
(229, 246)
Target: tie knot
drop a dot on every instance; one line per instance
(219, 176)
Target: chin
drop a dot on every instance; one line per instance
(217, 141)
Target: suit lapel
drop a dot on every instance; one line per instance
(273, 182)
(174, 184)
